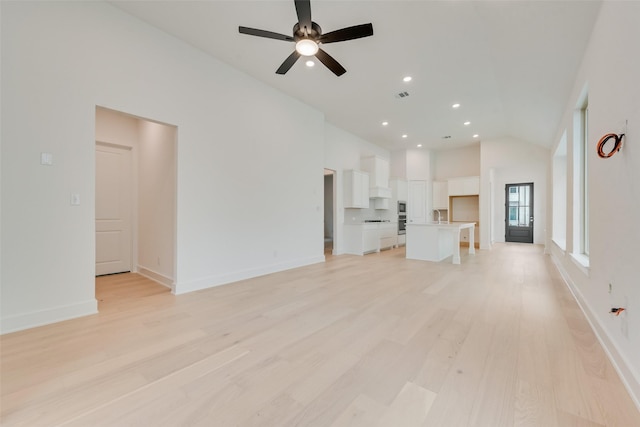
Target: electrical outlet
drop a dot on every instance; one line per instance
(610, 288)
(46, 159)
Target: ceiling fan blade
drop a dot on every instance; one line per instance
(288, 63)
(349, 33)
(330, 63)
(264, 33)
(303, 9)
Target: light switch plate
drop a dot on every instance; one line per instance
(75, 199)
(46, 159)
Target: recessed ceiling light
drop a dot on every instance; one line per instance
(476, 135)
(385, 123)
(455, 106)
(405, 135)
(310, 63)
(406, 79)
(467, 123)
(419, 145)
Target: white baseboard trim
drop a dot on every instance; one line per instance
(45, 317)
(155, 276)
(223, 279)
(628, 376)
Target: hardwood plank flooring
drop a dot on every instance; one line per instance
(357, 341)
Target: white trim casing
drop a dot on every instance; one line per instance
(223, 279)
(155, 276)
(44, 317)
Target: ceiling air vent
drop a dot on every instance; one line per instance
(402, 95)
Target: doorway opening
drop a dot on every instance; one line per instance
(519, 213)
(136, 170)
(329, 211)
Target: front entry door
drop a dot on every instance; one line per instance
(113, 209)
(519, 213)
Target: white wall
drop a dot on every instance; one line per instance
(398, 164)
(157, 201)
(116, 128)
(419, 165)
(343, 151)
(456, 163)
(610, 71)
(243, 209)
(512, 162)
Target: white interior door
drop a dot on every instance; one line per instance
(113, 209)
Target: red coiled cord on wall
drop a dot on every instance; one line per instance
(616, 147)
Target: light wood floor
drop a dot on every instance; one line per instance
(357, 341)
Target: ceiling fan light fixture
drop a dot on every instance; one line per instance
(307, 36)
(307, 47)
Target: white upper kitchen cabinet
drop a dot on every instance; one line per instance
(464, 186)
(418, 202)
(440, 195)
(399, 190)
(378, 169)
(356, 189)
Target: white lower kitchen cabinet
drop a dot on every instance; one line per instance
(388, 235)
(360, 239)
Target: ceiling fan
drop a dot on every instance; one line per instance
(307, 36)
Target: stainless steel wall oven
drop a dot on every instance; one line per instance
(402, 207)
(402, 223)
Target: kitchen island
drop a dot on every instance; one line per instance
(437, 241)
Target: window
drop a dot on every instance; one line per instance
(559, 228)
(585, 181)
(581, 183)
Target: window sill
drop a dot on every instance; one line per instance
(582, 261)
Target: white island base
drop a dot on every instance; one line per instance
(436, 242)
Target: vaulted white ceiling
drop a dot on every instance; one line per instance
(510, 64)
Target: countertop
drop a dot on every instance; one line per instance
(451, 225)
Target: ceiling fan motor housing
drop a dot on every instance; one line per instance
(307, 33)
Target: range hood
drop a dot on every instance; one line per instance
(378, 168)
(379, 192)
